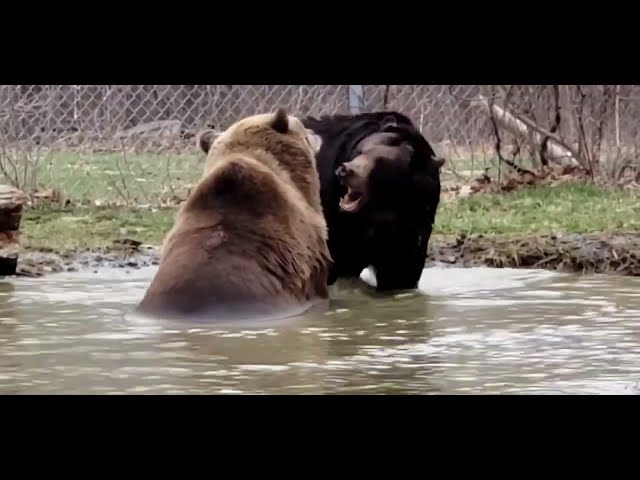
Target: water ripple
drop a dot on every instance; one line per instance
(477, 331)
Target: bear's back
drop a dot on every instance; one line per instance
(245, 243)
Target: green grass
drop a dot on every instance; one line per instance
(114, 177)
(152, 178)
(568, 208)
(70, 228)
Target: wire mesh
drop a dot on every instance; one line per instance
(59, 136)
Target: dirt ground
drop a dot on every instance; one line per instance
(592, 253)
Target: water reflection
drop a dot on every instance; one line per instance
(9, 367)
(465, 331)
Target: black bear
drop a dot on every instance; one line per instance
(380, 190)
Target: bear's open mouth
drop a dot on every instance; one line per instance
(352, 201)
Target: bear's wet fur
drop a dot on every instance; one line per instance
(250, 241)
(391, 228)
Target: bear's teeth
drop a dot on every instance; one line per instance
(351, 201)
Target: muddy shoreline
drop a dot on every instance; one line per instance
(617, 254)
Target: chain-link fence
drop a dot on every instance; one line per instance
(136, 142)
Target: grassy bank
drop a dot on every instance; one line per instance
(151, 178)
(82, 228)
(111, 177)
(568, 208)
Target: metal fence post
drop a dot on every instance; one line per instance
(356, 99)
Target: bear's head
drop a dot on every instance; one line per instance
(279, 141)
(384, 171)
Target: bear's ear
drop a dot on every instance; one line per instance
(280, 122)
(314, 139)
(439, 162)
(205, 140)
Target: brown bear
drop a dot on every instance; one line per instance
(250, 241)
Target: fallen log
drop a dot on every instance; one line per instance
(11, 203)
(558, 152)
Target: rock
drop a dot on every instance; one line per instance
(11, 203)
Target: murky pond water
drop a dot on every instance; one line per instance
(466, 331)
